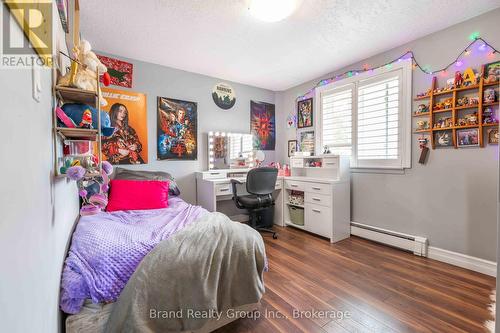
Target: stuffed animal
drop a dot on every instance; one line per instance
(83, 72)
(77, 112)
(448, 103)
(489, 96)
(458, 79)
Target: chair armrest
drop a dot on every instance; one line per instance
(233, 185)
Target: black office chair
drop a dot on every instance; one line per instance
(260, 203)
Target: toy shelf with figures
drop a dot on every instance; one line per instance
(451, 109)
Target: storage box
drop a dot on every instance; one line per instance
(296, 215)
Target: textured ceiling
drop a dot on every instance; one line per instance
(220, 38)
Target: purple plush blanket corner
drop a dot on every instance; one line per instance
(107, 248)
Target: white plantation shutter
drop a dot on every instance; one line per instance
(368, 116)
(336, 120)
(378, 120)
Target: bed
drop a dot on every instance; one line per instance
(126, 268)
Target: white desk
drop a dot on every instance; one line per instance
(326, 191)
(214, 193)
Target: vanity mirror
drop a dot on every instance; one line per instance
(230, 150)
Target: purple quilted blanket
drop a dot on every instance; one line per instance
(107, 248)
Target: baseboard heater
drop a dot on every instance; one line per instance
(415, 244)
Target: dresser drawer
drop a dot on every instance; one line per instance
(214, 174)
(319, 188)
(295, 185)
(318, 199)
(330, 162)
(222, 189)
(318, 220)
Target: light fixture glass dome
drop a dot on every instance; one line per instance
(272, 10)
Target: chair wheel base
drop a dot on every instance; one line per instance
(275, 236)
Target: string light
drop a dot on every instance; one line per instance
(415, 64)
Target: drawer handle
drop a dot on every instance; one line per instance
(316, 210)
(224, 189)
(294, 185)
(214, 173)
(316, 188)
(330, 163)
(316, 199)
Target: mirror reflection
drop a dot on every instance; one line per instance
(230, 150)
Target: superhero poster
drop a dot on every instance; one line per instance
(177, 137)
(263, 125)
(128, 114)
(119, 71)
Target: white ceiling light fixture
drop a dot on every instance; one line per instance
(272, 10)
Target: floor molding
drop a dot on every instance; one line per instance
(462, 260)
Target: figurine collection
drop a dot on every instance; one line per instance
(460, 110)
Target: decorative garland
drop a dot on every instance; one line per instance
(407, 55)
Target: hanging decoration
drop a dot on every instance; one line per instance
(224, 96)
(291, 121)
(474, 37)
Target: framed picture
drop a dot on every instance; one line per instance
(443, 139)
(128, 113)
(493, 136)
(306, 141)
(177, 129)
(119, 71)
(305, 113)
(263, 125)
(492, 72)
(292, 147)
(468, 138)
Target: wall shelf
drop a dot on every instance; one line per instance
(454, 111)
(77, 133)
(75, 95)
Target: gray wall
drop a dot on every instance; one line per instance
(38, 211)
(155, 80)
(452, 199)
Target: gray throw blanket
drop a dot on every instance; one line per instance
(210, 266)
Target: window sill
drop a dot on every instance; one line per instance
(389, 171)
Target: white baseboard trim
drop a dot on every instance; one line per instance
(462, 260)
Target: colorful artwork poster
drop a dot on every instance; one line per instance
(119, 71)
(128, 113)
(177, 133)
(263, 125)
(305, 113)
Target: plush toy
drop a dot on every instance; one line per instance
(77, 112)
(448, 103)
(83, 71)
(489, 96)
(458, 79)
(86, 120)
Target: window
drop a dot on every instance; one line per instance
(336, 127)
(368, 117)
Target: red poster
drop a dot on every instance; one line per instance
(120, 71)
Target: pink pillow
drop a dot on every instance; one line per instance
(137, 195)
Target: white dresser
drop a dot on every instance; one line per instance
(324, 184)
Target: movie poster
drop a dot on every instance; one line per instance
(119, 71)
(263, 125)
(177, 133)
(128, 113)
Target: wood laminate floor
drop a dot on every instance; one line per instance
(376, 288)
